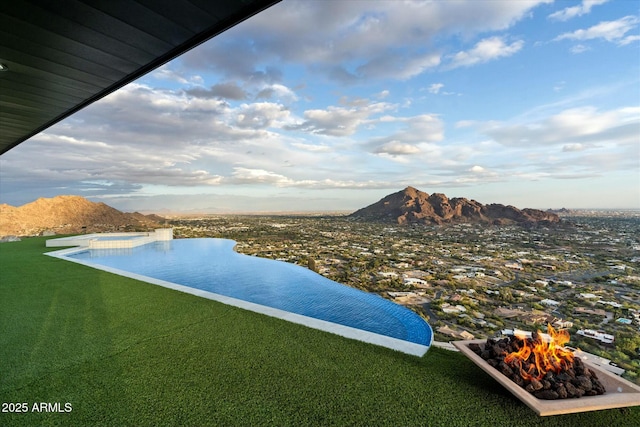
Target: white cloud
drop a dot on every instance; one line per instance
(68, 164)
(393, 65)
(465, 123)
(395, 148)
(168, 139)
(244, 176)
(412, 136)
(418, 129)
(578, 143)
(314, 148)
(277, 91)
(559, 86)
(573, 147)
(422, 128)
(258, 176)
(173, 139)
(166, 73)
(227, 90)
(435, 88)
(485, 50)
(627, 40)
(477, 174)
(340, 121)
(579, 48)
(570, 127)
(573, 11)
(376, 39)
(261, 115)
(611, 31)
(410, 67)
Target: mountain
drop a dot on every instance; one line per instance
(68, 215)
(411, 206)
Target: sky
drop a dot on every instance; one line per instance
(331, 105)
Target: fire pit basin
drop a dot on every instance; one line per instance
(620, 392)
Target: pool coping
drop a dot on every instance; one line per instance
(403, 346)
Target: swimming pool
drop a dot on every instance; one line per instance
(213, 266)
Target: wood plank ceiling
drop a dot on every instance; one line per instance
(62, 55)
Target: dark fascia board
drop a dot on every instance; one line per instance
(253, 8)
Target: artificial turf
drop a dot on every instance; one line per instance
(126, 353)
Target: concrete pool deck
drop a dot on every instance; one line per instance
(334, 328)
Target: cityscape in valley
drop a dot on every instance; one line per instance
(471, 280)
(471, 275)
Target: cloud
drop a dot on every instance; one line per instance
(576, 125)
(573, 11)
(412, 136)
(485, 50)
(476, 174)
(559, 86)
(359, 40)
(421, 128)
(627, 40)
(578, 142)
(173, 138)
(229, 90)
(465, 123)
(573, 147)
(105, 170)
(261, 115)
(397, 148)
(170, 139)
(340, 121)
(277, 91)
(166, 73)
(397, 66)
(232, 91)
(258, 176)
(435, 88)
(244, 176)
(314, 148)
(579, 48)
(611, 31)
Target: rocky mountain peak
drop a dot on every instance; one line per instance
(414, 206)
(68, 215)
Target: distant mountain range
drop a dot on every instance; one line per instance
(68, 215)
(75, 214)
(411, 206)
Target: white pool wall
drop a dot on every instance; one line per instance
(129, 240)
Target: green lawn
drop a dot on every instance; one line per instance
(123, 352)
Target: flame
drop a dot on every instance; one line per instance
(542, 355)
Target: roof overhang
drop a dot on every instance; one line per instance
(62, 55)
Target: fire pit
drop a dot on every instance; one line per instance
(607, 389)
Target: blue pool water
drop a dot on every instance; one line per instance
(212, 265)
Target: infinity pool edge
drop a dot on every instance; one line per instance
(323, 325)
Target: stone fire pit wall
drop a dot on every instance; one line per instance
(620, 392)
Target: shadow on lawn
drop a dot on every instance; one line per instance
(57, 318)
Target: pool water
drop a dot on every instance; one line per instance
(212, 265)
